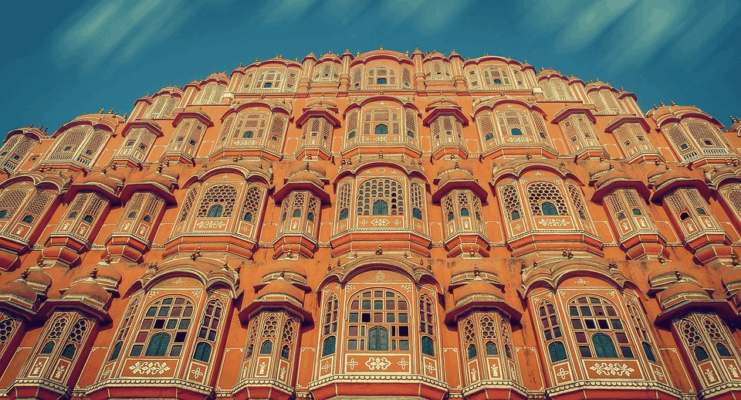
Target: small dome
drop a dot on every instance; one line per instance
(669, 176)
(156, 177)
(102, 179)
(87, 287)
(109, 272)
(281, 287)
(614, 174)
(659, 170)
(306, 176)
(683, 289)
(115, 174)
(19, 288)
(459, 174)
(731, 277)
(37, 275)
(476, 287)
(601, 168)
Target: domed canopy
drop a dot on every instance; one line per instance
(87, 287)
(304, 180)
(278, 294)
(683, 297)
(615, 179)
(480, 294)
(160, 180)
(664, 180)
(455, 177)
(21, 289)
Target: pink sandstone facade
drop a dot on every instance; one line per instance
(378, 225)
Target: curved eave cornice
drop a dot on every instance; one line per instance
(565, 112)
(171, 90)
(551, 74)
(360, 102)
(716, 179)
(484, 59)
(187, 268)
(148, 186)
(143, 123)
(273, 302)
(302, 185)
(470, 184)
(676, 183)
(552, 275)
(626, 119)
(36, 133)
(100, 123)
(58, 182)
(318, 112)
(491, 103)
(382, 55)
(200, 116)
(623, 94)
(597, 86)
(19, 305)
(273, 61)
(520, 167)
(408, 170)
(83, 303)
(246, 172)
(96, 187)
(610, 185)
(219, 79)
(667, 114)
(484, 302)
(416, 273)
(283, 108)
(720, 307)
(445, 109)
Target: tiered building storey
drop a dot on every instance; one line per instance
(378, 225)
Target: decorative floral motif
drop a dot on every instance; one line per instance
(554, 222)
(149, 368)
(380, 276)
(613, 369)
(210, 224)
(403, 364)
(380, 222)
(377, 363)
(352, 364)
(562, 373)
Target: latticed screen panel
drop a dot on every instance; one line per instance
(511, 200)
(69, 143)
(210, 94)
(327, 71)
(486, 128)
(708, 138)
(380, 197)
(515, 126)
(253, 201)
(542, 192)
(219, 195)
(681, 142)
(10, 202)
(581, 210)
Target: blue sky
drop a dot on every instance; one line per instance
(62, 58)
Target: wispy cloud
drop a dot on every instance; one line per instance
(701, 38)
(588, 25)
(117, 28)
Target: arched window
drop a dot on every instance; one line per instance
(472, 353)
(131, 215)
(683, 216)
(489, 136)
(266, 347)
(381, 129)
(378, 320)
(224, 196)
(548, 208)
(248, 135)
(344, 213)
(603, 346)
(389, 191)
(637, 211)
(328, 347)
(248, 217)
(285, 352)
(451, 216)
(491, 349)
(88, 219)
(542, 193)
(3, 213)
(649, 352)
(28, 219)
(69, 351)
(621, 216)
(147, 218)
(700, 353)
(165, 319)
(203, 352)
(722, 350)
(310, 216)
(465, 212)
(158, 345)
(589, 314)
(215, 211)
(378, 339)
(515, 215)
(417, 213)
(48, 348)
(296, 213)
(331, 314)
(516, 132)
(116, 351)
(380, 207)
(381, 81)
(557, 351)
(427, 346)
